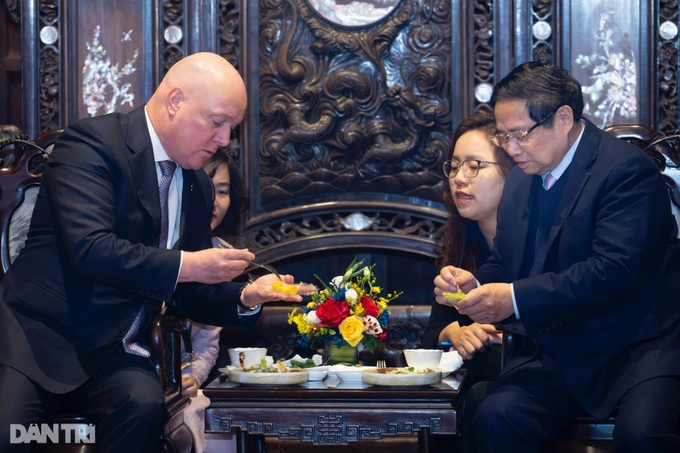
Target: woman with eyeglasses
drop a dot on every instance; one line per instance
(476, 174)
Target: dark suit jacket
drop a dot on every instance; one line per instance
(605, 300)
(91, 258)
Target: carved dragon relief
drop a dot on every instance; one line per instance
(347, 109)
(229, 31)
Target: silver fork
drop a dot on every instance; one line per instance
(267, 267)
(381, 364)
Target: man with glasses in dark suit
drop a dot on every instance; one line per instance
(584, 271)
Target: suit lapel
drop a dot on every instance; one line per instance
(197, 196)
(522, 194)
(577, 174)
(143, 167)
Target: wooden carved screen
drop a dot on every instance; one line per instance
(347, 129)
(89, 57)
(348, 123)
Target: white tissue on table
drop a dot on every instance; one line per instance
(450, 360)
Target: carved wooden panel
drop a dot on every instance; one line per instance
(88, 57)
(332, 427)
(348, 120)
(352, 109)
(359, 115)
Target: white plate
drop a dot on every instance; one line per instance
(245, 377)
(373, 377)
(348, 373)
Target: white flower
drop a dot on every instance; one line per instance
(367, 272)
(371, 325)
(351, 296)
(312, 318)
(338, 281)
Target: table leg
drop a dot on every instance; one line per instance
(246, 443)
(241, 441)
(424, 440)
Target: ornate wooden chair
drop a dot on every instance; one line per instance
(21, 165)
(589, 434)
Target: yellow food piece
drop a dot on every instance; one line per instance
(454, 296)
(281, 287)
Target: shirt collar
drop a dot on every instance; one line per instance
(566, 160)
(159, 153)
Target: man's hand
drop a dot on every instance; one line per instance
(488, 303)
(260, 291)
(214, 265)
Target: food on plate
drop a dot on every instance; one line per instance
(405, 370)
(277, 367)
(306, 363)
(285, 288)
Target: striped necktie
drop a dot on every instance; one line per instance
(130, 340)
(167, 169)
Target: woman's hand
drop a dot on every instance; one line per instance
(189, 385)
(469, 340)
(451, 279)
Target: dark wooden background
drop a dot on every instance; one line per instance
(347, 125)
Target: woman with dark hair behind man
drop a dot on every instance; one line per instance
(231, 197)
(476, 175)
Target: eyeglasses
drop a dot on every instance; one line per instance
(501, 139)
(470, 167)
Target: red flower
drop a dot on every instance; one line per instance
(332, 312)
(383, 335)
(370, 307)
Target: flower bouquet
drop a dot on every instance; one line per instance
(348, 310)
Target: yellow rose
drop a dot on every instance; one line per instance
(352, 330)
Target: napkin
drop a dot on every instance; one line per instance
(450, 360)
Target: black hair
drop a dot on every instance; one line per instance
(231, 226)
(544, 87)
(454, 246)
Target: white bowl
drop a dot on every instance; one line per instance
(318, 373)
(346, 373)
(251, 356)
(423, 358)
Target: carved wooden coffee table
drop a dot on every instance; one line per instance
(327, 415)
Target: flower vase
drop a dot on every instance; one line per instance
(340, 355)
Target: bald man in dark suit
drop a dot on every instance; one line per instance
(94, 263)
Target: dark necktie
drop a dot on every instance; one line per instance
(167, 169)
(129, 342)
